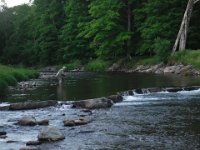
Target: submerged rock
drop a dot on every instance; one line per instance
(43, 122)
(27, 121)
(115, 98)
(76, 122)
(93, 103)
(3, 136)
(32, 105)
(33, 143)
(29, 148)
(2, 133)
(48, 134)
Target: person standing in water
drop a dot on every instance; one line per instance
(60, 74)
(61, 93)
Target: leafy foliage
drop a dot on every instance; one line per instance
(60, 31)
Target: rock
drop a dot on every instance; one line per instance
(27, 121)
(159, 71)
(139, 91)
(170, 69)
(69, 123)
(114, 67)
(50, 134)
(4, 106)
(32, 105)
(115, 98)
(93, 103)
(177, 89)
(142, 68)
(29, 148)
(87, 111)
(3, 136)
(76, 122)
(154, 90)
(43, 122)
(190, 88)
(33, 143)
(11, 141)
(3, 133)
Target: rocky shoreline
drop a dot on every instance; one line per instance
(178, 69)
(48, 73)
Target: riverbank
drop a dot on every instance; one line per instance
(9, 76)
(183, 63)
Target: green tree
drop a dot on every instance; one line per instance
(105, 29)
(73, 45)
(158, 19)
(47, 25)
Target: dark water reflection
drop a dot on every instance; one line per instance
(79, 86)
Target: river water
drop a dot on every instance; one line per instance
(81, 85)
(160, 120)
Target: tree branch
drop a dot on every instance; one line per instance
(196, 1)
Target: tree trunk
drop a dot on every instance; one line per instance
(182, 34)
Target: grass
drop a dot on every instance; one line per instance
(97, 65)
(9, 76)
(188, 57)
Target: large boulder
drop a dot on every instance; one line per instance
(27, 121)
(93, 103)
(32, 105)
(48, 134)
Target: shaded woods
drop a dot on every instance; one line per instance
(62, 31)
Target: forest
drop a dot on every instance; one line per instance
(49, 32)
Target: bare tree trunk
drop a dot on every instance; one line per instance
(182, 34)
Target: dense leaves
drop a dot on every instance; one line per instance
(62, 31)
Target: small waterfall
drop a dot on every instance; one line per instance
(159, 95)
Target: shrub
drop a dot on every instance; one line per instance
(97, 65)
(73, 65)
(161, 48)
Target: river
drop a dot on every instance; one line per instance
(160, 120)
(82, 85)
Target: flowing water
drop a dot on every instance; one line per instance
(150, 120)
